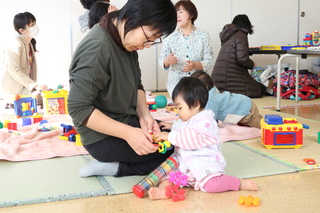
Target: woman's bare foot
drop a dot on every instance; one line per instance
(248, 185)
(156, 193)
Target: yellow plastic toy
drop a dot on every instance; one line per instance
(249, 201)
(55, 102)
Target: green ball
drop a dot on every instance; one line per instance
(161, 101)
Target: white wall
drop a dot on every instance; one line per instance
(60, 32)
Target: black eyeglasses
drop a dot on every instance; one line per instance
(150, 43)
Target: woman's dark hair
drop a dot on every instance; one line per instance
(192, 91)
(98, 9)
(190, 7)
(242, 21)
(159, 15)
(204, 77)
(21, 20)
(87, 4)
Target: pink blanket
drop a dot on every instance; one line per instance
(227, 132)
(34, 145)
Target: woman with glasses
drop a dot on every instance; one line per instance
(106, 100)
(187, 49)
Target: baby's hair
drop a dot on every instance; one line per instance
(204, 77)
(192, 91)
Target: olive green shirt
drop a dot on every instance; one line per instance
(102, 76)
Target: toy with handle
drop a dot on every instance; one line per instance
(154, 177)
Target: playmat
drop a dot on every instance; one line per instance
(57, 179)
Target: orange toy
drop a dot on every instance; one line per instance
(249, 201)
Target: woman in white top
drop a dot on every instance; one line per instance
(187, 49)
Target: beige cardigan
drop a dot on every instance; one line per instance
(16, 78)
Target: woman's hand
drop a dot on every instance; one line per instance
(149, 124)
(190, 65)
(171, 59)
(140, 141)
(42, 87)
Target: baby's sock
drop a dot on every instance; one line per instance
(99, 168)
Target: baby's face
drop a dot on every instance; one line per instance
(183, 110)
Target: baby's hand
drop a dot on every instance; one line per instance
(165, 125)
(161, 136)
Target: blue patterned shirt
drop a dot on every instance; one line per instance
(196, 47)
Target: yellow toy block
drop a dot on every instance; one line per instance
(65, 138)
(55, 102)
(78, 140)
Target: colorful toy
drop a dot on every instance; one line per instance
(161, 101)
(177, 178)
(37, 118)
(249, 201)
(315, 38)
(175, 192)
(46, 127)
(12, 126)
(278, 132)
(152, 106)
(69, 133)
(307, 39)
(55, 102)
(154, 177)
(318, 137)
(1, 125)
(309, 161)
(25, 105)
(162, 145)
(5, 124)
(26, 121)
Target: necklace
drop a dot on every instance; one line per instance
(186, 35)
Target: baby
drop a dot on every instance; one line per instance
(230, 107)
(197, 145)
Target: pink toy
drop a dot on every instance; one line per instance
(175, 192)
(177, 178)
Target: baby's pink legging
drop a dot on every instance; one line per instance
(222, 183)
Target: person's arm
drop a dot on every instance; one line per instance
(147, 122)
(242, 48)
(16, 60)
(80, 102)
(166, 56)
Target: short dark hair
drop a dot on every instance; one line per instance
(243, 21)
(21, 20)
(98, 9)
(204, 77)
(190, 7)
(87, 4)
(192, 91)
(159, 15)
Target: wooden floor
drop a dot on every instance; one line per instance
(294, 192)
(310, 111)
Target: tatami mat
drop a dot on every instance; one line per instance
(43, 181)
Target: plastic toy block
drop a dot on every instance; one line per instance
(25, 105)
(65, 138)
(78, 140)
(273, 119)
(55, 102)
